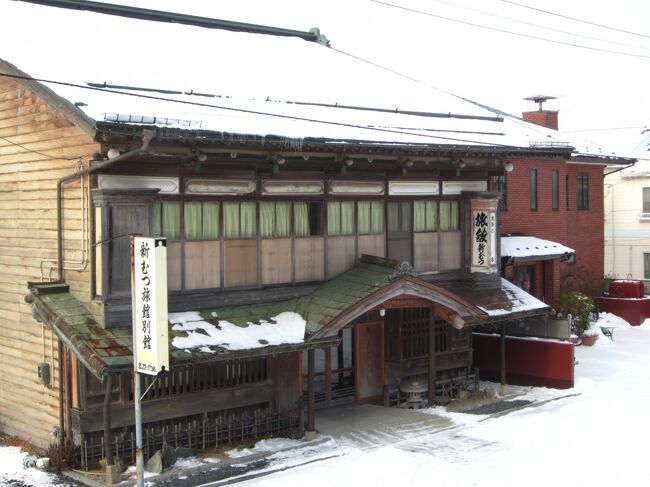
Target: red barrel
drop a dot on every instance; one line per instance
(626, 289)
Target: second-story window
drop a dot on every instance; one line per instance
(239, 220)
(167, 220)
(275, 219)
(425, 216)
(533, 189)
(555, 183)
(646, 200)
(583, 191)
(449, 221)
(499, 184)
(370, 217)
(340, 218)
(307, 219)
(201, 220)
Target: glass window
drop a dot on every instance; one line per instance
(498, 184)
(239, 220)
(533, 189)
(307, 219)
(583, 191)
(399, 217)
(425, 216)
(566, 190)
(167, 219)
(646, 266)
(340, 218)
(370, 217)
(275, 219)
(555, 183)
(646, 200)
(449, 221)
(201, 220)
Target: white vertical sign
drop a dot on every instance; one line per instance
(493, 238)
(483, 241)
(149, 300)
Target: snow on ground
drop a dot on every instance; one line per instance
(596, 437)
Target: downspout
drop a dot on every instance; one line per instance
(147, 136)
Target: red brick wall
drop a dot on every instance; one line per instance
(581, 230)
(542, 117)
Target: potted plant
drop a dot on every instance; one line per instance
(579, 307)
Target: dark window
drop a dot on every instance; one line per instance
(524, 277)
(646, 266)
(646, 200)
(499, 184)
(555, 174)
(583, 191)
(315, 218)
(533, 189)
(566, 180)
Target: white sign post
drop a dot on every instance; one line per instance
(484, 236)
(149, 304)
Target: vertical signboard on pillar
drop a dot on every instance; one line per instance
(149, 300)
(484, 236)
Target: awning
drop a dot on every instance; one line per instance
(312, 321)
(525, 247)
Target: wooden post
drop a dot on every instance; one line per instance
(61, 397)
(504, 386)
(432, 358)
(328, 375)
(311, 393)
(107, 419)
(68, 394)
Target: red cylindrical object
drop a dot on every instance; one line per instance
(626, 289)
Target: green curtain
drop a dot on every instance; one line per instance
(363, 217)
(432, 215)
(282, 218)
(393, 217)
(419, 216)
(406, 217)
(334, 218)
(157, 219)
(248, 220)
(449, 216)
(347, 218)
(171, 220)
(301, 219)
(231, 220)
(267, 219)
(377, 217)
(210, 221)
(192, 213)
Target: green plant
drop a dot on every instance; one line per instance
(579, 306)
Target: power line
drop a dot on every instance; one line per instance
(511, 19)
(575, 19)
(37, 152)
(504, 31)
(256, 112)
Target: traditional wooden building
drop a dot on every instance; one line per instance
(319, 252)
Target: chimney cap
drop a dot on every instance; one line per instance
(540, 99)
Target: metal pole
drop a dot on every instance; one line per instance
(139, 460)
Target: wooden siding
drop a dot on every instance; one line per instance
(49, 148)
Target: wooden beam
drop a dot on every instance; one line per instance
(503, 354)
(311, 391)
(107, 420)
(432, 358)
(328, 376)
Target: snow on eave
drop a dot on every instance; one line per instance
(520, 300)
(520, 247)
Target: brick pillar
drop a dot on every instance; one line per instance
(545, 118)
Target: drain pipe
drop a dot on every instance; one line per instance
(147, 136)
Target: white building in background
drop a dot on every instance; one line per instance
(627, 217)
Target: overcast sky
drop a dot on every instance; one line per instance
(595, 89)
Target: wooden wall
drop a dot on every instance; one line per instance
(50, 147)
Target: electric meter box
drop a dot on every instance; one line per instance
(44, 373)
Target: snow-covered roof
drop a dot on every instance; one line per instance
(188, 77)
(284, 328)
(520, 247)
(519, 301)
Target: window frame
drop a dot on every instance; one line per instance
(583, 191)
(533, 190)
(555, 189)
(645, 205)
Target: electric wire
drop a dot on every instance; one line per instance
(38, 152)
(545, 27)
(504, 31)
(576, 19)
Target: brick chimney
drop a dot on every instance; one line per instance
(545, 118)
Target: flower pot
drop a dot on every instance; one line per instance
(588, 340)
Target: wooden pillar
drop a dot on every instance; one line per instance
(432, 357)
(68, 394)
(107, 419)
(311, 391)
(328, 376)
(504, 386)
(61, 396)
